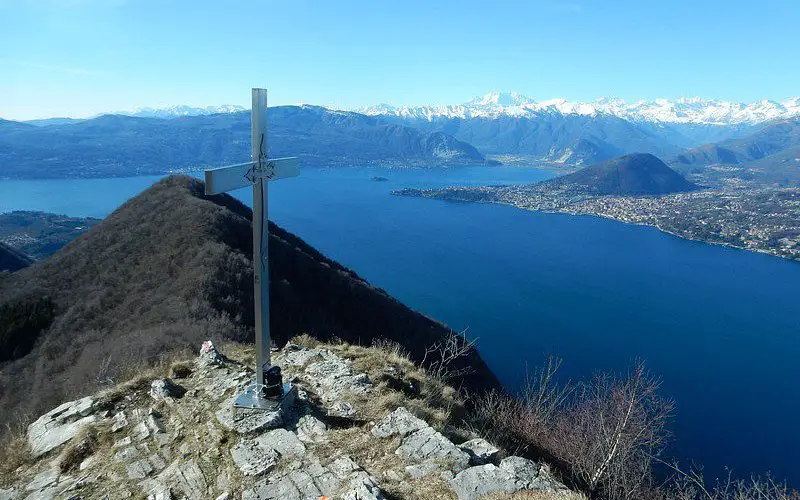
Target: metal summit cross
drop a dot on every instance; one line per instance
(268, 389)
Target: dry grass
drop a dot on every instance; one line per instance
(14, 449)
(87, 442)
(307, 340)
(14, 453)
(437, 403)
(141, 376)
(181, 369)
(358, 445)
(242, 354)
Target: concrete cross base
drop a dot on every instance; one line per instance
(254, 419)
(250, 400)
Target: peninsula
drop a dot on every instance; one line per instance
(640, 189)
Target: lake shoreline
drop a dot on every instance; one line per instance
(610, 217)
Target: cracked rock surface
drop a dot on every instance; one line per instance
(157, 441)
(514, 474)
(60, 424)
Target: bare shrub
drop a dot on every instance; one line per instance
(691, 485)
(543, 398)
(602, 434)
(500, 419)
(440, 357)
(524, 424)
(615, 427)
(103, 370)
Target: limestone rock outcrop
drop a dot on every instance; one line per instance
(164, 441)
(60, 424)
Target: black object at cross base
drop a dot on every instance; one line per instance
(273, 383)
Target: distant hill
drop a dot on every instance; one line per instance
(769, 155)
(40, 234)
(7, 126)
(570, 139)
(115, 145)
(168, 269)
(12, 260)
(783, 165)
(47, 122)
(182, 110)
(773, 138)
(634, 174)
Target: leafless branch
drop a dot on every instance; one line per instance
(440, 357)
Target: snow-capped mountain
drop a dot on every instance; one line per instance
(693, 110)
(181, 110)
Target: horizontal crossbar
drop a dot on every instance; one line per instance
(223, 179)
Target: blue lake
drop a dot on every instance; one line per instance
(721, 326)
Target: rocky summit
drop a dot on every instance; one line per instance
(344, 431)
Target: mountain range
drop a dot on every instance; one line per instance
(686, 110)
(561, 132)
(181, 110)
(116, 145)
(691, 134)
(148, 112)
(693, 110)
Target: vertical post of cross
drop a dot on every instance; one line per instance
(257, 173)
(260, 234)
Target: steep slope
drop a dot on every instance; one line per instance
(635, 174)
(170, 268)
(12, 260)
(115, 145)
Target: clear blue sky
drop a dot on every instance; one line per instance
(79, 57)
